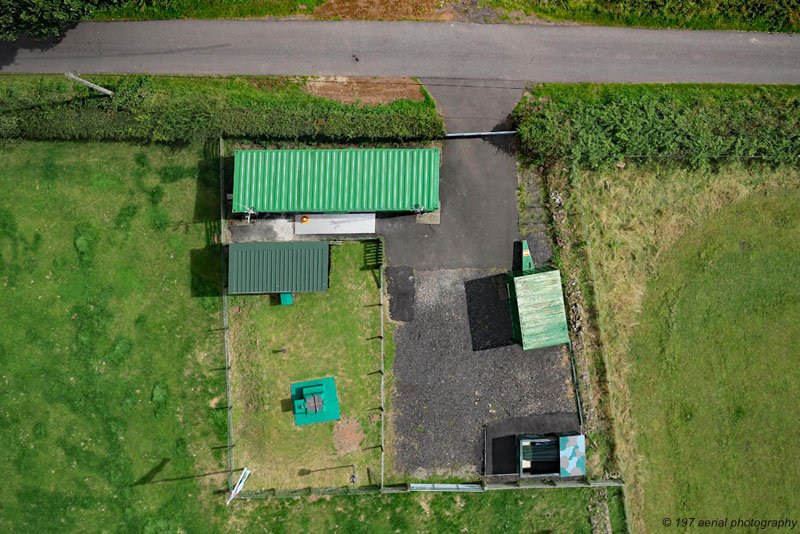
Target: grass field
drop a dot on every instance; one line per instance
(716, 355)
(696, 288)
(106, 356)
(443, 513)
(333, 333)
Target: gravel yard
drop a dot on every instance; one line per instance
(445, 392)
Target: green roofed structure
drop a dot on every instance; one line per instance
(286, 267)
(315, 401)
(537, 305)
(335, 181)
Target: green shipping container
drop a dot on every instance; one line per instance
(288, 267)
(347, 180)
(537, 309)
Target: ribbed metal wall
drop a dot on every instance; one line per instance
(292, 267)
(345, 180)
(540, 304)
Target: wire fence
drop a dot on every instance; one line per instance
(231, 441)
(383, 374)
(476, 487)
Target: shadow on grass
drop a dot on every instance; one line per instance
(287, 405)
(204, 264)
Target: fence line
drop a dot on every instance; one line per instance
(225, 311)
(383, 379)
(478, 487)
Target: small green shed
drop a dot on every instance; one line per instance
(338, 180)
(536, 299)
(278, 267)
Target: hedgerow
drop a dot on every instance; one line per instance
(169, 109)
(590, 125)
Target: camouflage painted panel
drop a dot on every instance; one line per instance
(572, 456)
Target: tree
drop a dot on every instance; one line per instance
(42, 18)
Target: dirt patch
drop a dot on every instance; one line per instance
(367, 91)
(214, 402)
(382, 10)
(347, 436)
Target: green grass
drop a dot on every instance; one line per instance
(689, 349)
(199, 9)
(332, 333)
(752, 15)
(106, 356)
(715, 375)
(499, 511)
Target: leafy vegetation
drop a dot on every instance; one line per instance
(41, 18)
(754, 15)
(106, 356)
(203, 9)
(166, 109)
(591, 125)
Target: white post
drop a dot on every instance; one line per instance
(74, 77)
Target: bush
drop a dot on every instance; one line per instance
(591, 125)
(148, 108)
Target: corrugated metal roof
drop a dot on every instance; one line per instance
(343, 180)
(538, 310)
(288, 267)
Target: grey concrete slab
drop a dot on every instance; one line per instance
(452, 50)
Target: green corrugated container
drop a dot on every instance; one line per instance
(537, 309)
(288, 267)
(345, 180)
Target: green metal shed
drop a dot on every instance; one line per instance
(288, 267)
(342, 180)
(537, 309)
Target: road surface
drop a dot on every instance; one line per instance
(425, 49)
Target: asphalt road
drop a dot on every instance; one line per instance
(424, 49)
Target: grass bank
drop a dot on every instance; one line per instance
(186, 108)
(663, 331)
(748, 15)
(332, 333)
(107, 354)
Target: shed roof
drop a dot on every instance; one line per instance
(341, 180)
(538, 310)
(288, 267)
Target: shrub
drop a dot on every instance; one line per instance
(165, 110)
(591, 125)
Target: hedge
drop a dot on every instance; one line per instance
(591, 124)
(172, 109)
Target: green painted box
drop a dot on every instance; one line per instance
(315, 401)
